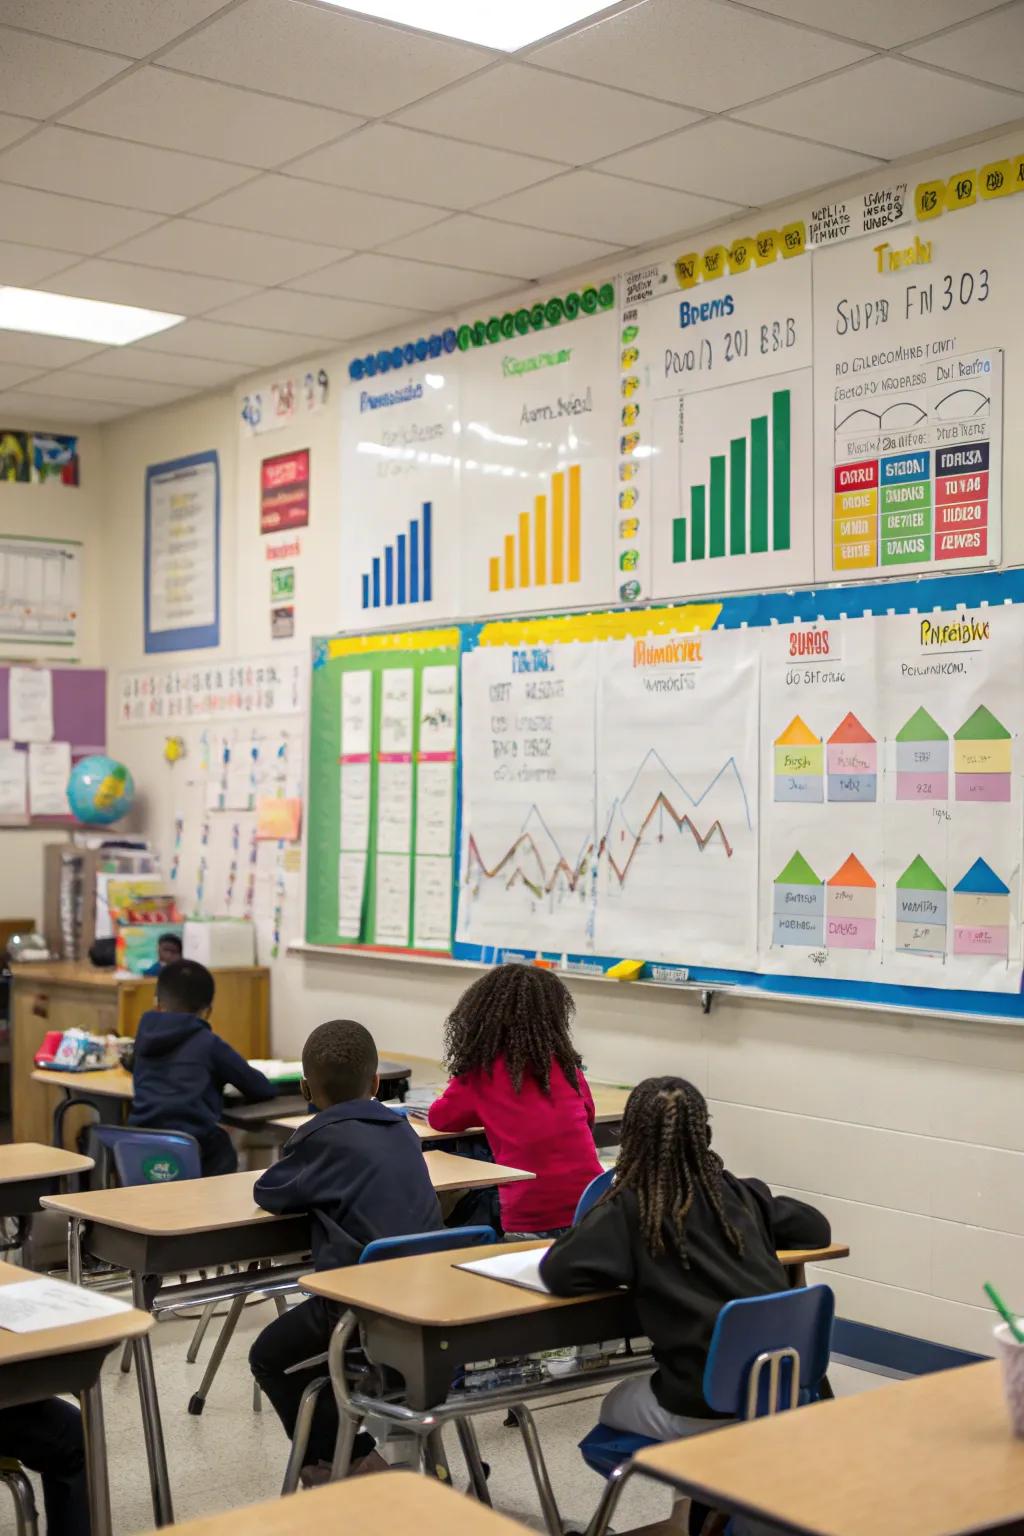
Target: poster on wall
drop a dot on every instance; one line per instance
(539, 427)
(40, 592)
(716, 443)
(222, 690)
(182, 554)
(284, 491)
(912, 335)
(279, 402)
(39, 457)
(400, 512)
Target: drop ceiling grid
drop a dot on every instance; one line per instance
(445, 171)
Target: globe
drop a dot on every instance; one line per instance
(100, 790)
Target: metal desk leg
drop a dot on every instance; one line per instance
(348, 1421)
(156, 1455)
(75, 1250)
(602, 1516)
(538, 1466)
(96, 1460)
(471, 1451)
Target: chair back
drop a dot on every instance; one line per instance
(592, 1194)
(769, 1353)
(153, 1157)
(426, 1242)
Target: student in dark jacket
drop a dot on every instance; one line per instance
(359, 1170)
(181, 1067)
(684, 1236)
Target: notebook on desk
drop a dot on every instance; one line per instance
(522, 1269)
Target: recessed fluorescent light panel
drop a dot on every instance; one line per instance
(59, 314)
(504, 24)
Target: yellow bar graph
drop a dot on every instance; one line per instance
(510, 560)
(574, 522)
(495, 581)
(524, 549)
(540, 540)
(558, 527)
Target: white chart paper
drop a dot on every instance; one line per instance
(49, 768)
(13, 780)
(30, 704)
(393, 891)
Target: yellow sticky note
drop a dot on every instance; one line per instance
(996, 180)
(961, 190)
(766, 247)
(713, 262)
(687, 273)
(794, 238)
(626, 970)
(929, 199)
(278, 818)
(741, 254)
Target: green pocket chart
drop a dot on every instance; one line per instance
(382, 790)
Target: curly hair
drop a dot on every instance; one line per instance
(665, 1156)
(521, 1013)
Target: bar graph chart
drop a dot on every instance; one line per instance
(744, 506)
(544, 549)
(403, 571)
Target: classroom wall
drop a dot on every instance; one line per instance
(906, 1130)
(60, 512)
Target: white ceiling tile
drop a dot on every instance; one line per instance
(134, 28)
(317, 55)
(117, 282)
(509, 249)
(991, 48)
(390, 280)
(731, 160)
(71, 384)
(20, 409)
(609, 208)
(39, 76)
(279, 309)
(112, 170)
(888, 108)
(137, 362)
(877, 21)
(175, 111)
(43, 352)
(212, 250)
(68, 223)
(13, 374)
(310, 211)
(536, 113)
(696, 51)
(233, 343)
(21, 266)
(400, 162)
(12, 128)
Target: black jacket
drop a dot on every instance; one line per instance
(677, 1306)
(180, 1069)
(358, 1168)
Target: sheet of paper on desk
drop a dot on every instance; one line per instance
(522, 1269)
(28, 1306)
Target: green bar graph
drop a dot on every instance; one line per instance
(780, 469)
(759, 485)
(717, 542)
(697, 497)
(738, 496)
(729, 514)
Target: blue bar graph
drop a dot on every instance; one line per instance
(408, 566)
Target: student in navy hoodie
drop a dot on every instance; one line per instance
(358, 1169)
(181, 1067)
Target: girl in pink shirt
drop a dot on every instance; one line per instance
(514, 1070)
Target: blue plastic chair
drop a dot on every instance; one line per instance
(105, 1140)
(597, 1187)
(156, 1157)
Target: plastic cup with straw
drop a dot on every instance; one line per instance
(1009, 1337)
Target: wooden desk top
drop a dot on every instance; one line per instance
(360, 1507)
(932, 1456)
(16, 1348)
(825, 1255)
(609, 1104)
(439, 1295)
(76, 973)
(105, 1082)
(25, 1160)
(449, 1172)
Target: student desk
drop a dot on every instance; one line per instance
(68, 1359)
(291, 1108)
(360, 1508)
(65, 994)
(933, 1456)
(29, 1170)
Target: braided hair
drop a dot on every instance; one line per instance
(522, 1013)
(664, 1157)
